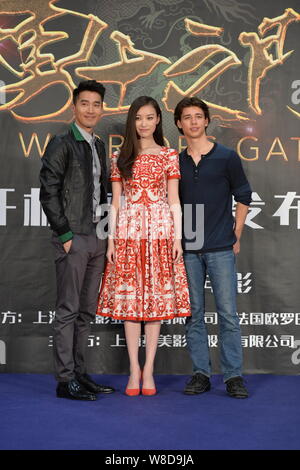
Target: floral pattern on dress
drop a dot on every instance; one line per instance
(144, 284)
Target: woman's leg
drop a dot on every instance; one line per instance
(132, 334)
(152, 330)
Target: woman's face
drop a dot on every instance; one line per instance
(146, 120)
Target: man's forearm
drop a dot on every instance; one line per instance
(240, 218)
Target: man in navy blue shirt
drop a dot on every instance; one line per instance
(211, 175)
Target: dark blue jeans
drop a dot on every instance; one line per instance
(220, 266)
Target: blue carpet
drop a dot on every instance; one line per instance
(31, 417)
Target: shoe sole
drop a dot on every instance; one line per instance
(93, 391)
(186, 392)
(69, 397)
(238, 396)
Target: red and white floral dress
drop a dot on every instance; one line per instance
(144, 284)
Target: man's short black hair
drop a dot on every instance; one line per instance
(89, 85)
(186, 103)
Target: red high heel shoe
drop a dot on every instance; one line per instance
(133, 392)
(148, 391)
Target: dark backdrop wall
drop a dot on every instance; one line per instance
(242, 57)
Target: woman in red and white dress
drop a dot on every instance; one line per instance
(145, 278)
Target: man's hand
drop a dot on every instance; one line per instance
(240, 217)
(67, 245)
(237, 247)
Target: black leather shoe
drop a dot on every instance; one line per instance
(74, 391)
(92, 386)
(236, 388)
(199, 383)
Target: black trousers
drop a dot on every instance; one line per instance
(78, 276)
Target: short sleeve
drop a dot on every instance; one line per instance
(115, 174)
(173, 170)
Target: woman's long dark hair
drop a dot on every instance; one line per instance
(130, 147)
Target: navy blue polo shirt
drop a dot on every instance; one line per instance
(206, 192)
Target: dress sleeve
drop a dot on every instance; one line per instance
(173, 171)
(115, 174)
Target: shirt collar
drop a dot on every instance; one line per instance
(205, 155)
(90, 138)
